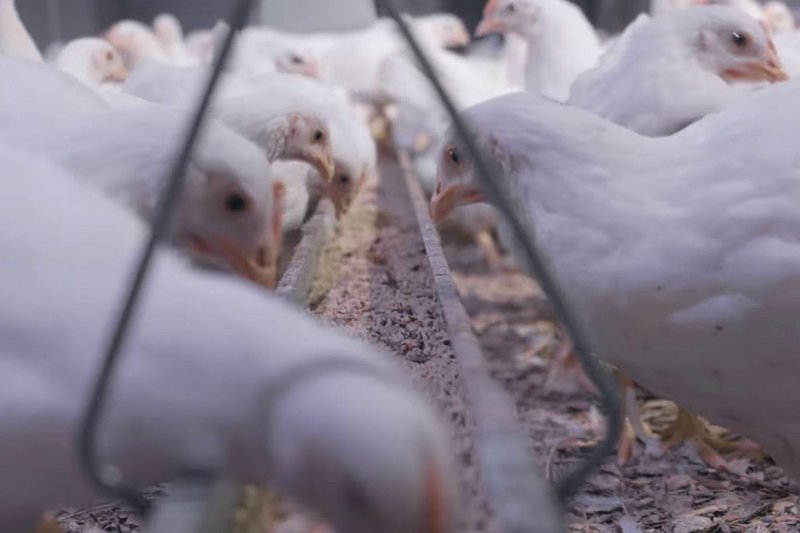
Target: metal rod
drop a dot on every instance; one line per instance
(520, 499)
(571, 483)
(108, 477)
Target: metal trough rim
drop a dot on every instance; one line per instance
(296, 281)
(521, 500)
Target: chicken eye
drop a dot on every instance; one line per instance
(319, 135)
(344, 179)
(454, 156)
(511, 8)
(109, 55)
(296, 60)
(740, 39)
(236, 203)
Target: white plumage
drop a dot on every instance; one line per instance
(665, 73)
(227, 206)
(169, 32)
(249, 106)
(285, 126)
(204, 358)
(352, 60)
(165, 83)
(15, 41)
(35, 90)
(92, 61)
(136, 42)
(354, 151)
(678, 254)
(561, 42)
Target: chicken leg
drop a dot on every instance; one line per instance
(691, 428)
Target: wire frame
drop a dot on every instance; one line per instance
(108, 477)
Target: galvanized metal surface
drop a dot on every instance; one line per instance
(521, 500)
(299, 274)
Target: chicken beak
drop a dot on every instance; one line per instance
(460, 38)
(422, 142)
(341, 202)
(490, 25)
(322, 161)
(774, 64)
(444, 201)
(437, 515)
(119, 74)
(312, 71)
(769, 70)
(341, 207)
(262, 268)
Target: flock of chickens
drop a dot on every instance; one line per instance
(655, 168)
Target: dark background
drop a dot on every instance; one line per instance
(50, 20)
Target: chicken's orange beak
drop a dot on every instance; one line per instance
(422, 141)
(312, 70)
(322, 160)
(118, 74)
(444, 201)
(490, 25)
(340, 206)
(438, 513)
(261, 267)
(769, 70)
(460, 38)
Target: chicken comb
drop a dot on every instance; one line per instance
(491, 6)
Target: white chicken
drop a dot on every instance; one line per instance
(665, 73)
(169, 32)
(92, 61)
(227, 209)
(281, 396)
(562, 43)
(136, 42)
(354, 150)
(284, 127)
(653, 241)
(352, 60)
(419, 123)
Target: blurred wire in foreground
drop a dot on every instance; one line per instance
(108, 477)
(571, 483)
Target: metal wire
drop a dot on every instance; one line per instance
(571, 483)
(108, 477)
